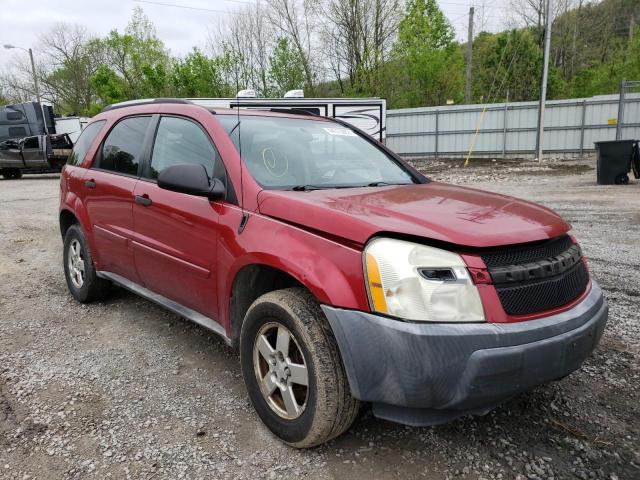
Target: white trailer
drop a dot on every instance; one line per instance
(367, 114)
(70, 125)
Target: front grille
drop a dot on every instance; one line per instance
(502, 256)
(544, 294)
(536, 277)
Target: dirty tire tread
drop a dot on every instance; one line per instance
(94, 288)
(337, 409)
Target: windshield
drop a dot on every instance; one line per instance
(286, 153)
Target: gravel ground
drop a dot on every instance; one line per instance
(123, 389)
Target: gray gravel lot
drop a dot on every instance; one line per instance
(124, 389)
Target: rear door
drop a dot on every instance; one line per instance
(176, 234)
(109, 186)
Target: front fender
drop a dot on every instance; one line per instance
(332, 272)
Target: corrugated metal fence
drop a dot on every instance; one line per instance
(509, 129)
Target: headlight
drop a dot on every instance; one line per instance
(420, 283)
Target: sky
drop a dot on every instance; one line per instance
(180, 28)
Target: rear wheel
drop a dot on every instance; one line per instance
(79, 270)
(293, 371)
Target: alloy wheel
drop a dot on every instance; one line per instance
(76, 263)
(281, 370)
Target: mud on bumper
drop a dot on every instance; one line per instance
(426, 373)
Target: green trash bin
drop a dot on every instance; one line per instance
(614, 161)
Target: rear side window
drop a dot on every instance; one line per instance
(84, 142)
(122, 149)
(179, 141)
(14, 116)
(17, 132)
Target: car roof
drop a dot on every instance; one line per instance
(147, 106)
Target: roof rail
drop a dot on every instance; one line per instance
(295, 111)
(143, 101)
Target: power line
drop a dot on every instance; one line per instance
(187, 7)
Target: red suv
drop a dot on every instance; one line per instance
(342, 274)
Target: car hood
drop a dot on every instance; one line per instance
(458, 215)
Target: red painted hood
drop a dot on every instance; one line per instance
(458, 215)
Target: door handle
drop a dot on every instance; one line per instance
(90, 183)
(143, 200)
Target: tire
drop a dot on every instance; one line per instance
(11, 173)
(89, 287)
(328, 408)
(622, 179)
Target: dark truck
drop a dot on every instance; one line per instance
(25, 145)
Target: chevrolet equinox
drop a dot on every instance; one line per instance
(340, 273)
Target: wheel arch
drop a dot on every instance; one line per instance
(66, 219)
(249, 283)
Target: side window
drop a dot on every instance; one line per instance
(123, 146)
(84, 142)
(13, 115)
(31, 142)
(17, 132)
(180, 141)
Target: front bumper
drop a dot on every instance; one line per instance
(428, 373)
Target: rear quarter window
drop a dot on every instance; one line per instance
(14, 116)
(17, 132)
(84, 142)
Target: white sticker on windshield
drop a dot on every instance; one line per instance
(343, 132)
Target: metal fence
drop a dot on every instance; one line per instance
(509, 129)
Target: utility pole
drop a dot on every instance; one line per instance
(467, 92)
(545, 75)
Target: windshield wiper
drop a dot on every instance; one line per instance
(384, 184)
(305, 188)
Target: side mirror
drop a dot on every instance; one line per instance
(192, 180)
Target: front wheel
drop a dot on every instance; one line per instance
(293, 371)
(11, 173)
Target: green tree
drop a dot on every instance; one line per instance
(427, 56)
(510, 62)
(138, 62)
(109, 87)
(287, 71)
(606, 77)
(197, 75)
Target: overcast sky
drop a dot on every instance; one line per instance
(180, 28)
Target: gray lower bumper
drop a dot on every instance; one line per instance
(426, 373)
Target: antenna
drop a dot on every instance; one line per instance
(245, 215)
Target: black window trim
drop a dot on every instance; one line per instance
(98, 156)
(145, 172)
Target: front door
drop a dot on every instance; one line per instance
(34, 152)
(109, 185)
(176, 234)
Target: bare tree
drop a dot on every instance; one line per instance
(69, 56)
(361, 33)
(247, 39)
(294, 19)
